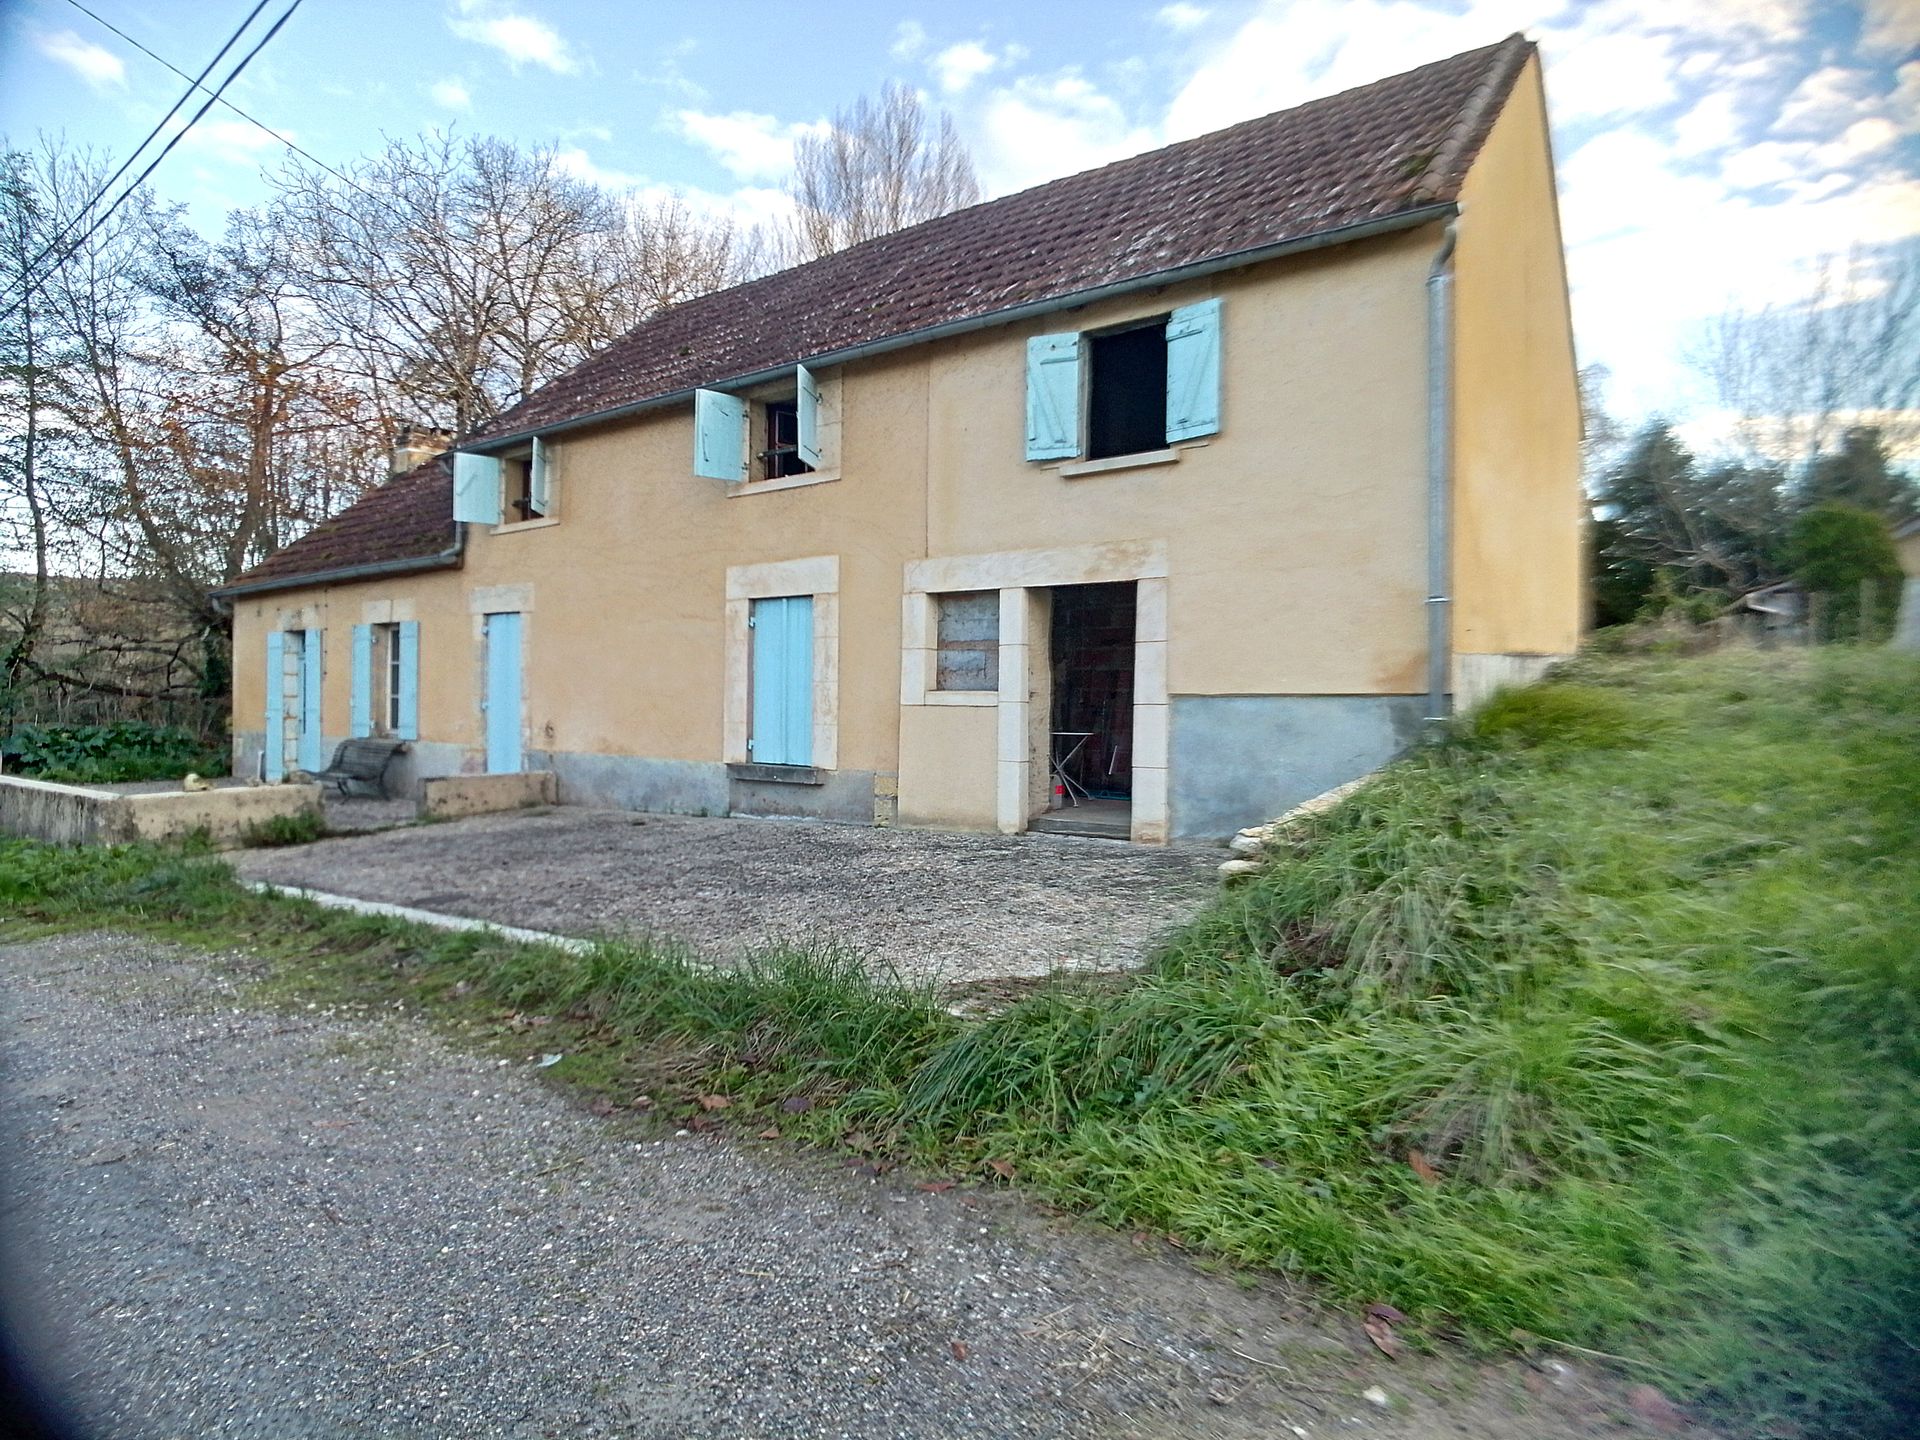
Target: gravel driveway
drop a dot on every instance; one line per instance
(226, 1221)
(931, 904)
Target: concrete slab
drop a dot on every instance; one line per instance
(927, 904)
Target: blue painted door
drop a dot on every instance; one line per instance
(312, 756)
(782, 681)
(502, 704)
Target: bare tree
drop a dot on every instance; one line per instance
(1798, 377)
(877, 167)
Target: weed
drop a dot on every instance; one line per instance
(301, 828)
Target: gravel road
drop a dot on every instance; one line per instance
(224, 1220)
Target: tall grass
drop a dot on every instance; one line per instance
(1599, 1020)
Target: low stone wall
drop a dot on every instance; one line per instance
(74, 815)
(449, 797)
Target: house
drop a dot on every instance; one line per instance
(1906, 541)
(1170, 494)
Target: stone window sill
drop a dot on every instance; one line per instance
(962, 697)
(786, 482)
(778, 774)
(516, 526)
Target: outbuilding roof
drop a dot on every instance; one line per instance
(1400, 147)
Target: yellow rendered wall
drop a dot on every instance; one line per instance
(1295, 538)
(1518, 510)
(1908, 547)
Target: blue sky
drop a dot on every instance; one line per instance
(1710, 151)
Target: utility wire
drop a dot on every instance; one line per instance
(120, 199)
(193, 83)
(251, 120)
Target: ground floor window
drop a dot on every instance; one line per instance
(967, 637)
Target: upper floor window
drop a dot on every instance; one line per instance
(508, 488)
(776, 431)
(1126, 391)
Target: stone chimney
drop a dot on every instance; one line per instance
(414, 445)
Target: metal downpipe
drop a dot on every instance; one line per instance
(1439, 476)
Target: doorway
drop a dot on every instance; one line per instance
(1091, 638)
(503, 693)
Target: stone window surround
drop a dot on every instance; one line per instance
(818, 576)
(1012, 573)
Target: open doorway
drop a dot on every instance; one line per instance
(1091, 650)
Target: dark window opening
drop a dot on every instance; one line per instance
(782, 454)
(519, 471)
(1127, 392)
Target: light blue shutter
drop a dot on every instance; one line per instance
(808, 405)
(539, 487)
(719, 436)
(274, 762)
(1193, 371)
(783, 681)
(408, 637)
(360, 703)
(1053, 397)
(476, 489)
(312, 745)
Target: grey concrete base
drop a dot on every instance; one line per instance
(1239, 760)
(635, 782)
(1477, 678)
(829, 795)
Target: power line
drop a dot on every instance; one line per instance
(121, 199)
(251, 120)
(80, 215)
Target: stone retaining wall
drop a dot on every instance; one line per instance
(74, 815)
(450, 797)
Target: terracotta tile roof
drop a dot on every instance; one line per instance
(409, 519)
(1391, 148)
(1397, 145)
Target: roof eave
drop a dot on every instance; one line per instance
(1233, 260)
(447, 559)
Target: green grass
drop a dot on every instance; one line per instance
(1598, 1021)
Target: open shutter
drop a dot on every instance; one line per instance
(476, 489)
(808, 405)
(539, 486)
(312, 757)
(719, 436)
(360, 706)
(1053, 397)
(1193, 371)
(408, 637)
(274, 752)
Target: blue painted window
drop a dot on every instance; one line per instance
(313, 754)
(360, 703)
(782, 731)
(274, 753)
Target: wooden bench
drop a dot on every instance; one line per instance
(361, 762)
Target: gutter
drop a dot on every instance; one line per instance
(1439, 476)
(439, 560)
(1234, 260)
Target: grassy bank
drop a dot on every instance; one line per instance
(1599, 1022)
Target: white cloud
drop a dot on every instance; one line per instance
(521, 38)
(1040, 128)
(1826, 101)
(1905, 100)
(958, 66)
(1890, 26)
(1713, 124)
(909, 39)
(751, 146)
(93, 63)
(451, 94)
(574, 161)
(1615, 74)
(1182, 16)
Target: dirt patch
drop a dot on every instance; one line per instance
(930, 905)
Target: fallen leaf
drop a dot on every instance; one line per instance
(1143, 1237)
(601, 1106)
(714, 1102)
(641, 1102)
(1423, 1167)
(796, 1104)
(936, 1187)
(699, 1122)
(772, 1132)
(960, 1350)
(1654, 1408)
(1388, 1313)
(1383, 1338)
(1002, 1168)
(333, 1124)
(858, 1140)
